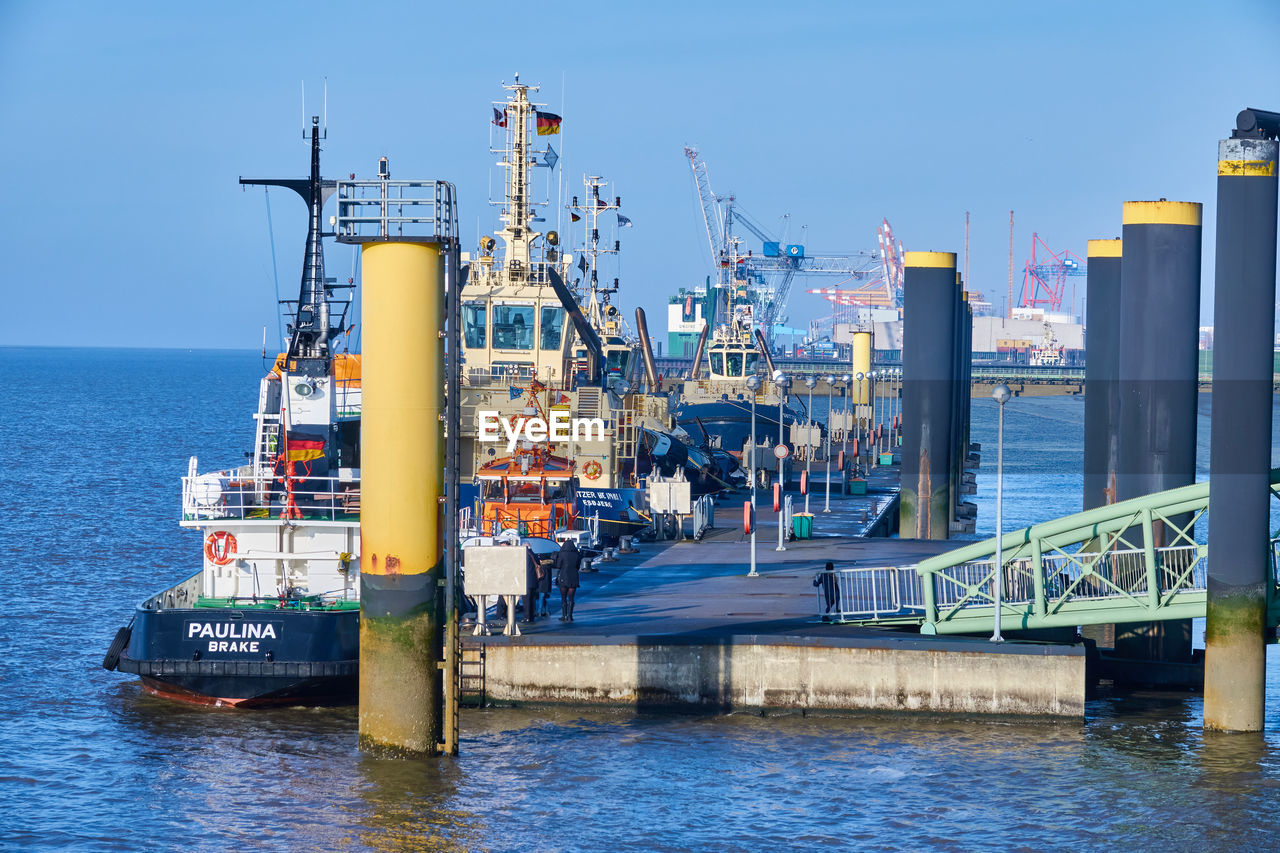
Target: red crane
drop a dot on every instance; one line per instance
(882, 292)
(1044, 278)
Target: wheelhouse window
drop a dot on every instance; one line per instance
(616, 361)
(552, 327)
(717, 363)
(753, 359)
(734, 360)
(513, 327)
(473, 322)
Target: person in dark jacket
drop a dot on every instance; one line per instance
(530, 586)
(567, 563)
(544, 586)
(830, 584)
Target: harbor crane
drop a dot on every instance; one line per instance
(768, 275)
(882, 292)
(1044, 278)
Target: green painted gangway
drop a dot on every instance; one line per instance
(1099, 566)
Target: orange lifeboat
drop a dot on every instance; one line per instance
(532, 492)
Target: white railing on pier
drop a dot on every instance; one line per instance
(704, 515)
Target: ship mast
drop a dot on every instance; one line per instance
(597, 296)
(311, 332)
(517, 214)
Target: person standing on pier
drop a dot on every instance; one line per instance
(567, 563)
(530, 586)
(830, 587)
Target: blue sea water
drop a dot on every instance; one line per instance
(94, 443)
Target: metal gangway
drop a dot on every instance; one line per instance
(1138, 560)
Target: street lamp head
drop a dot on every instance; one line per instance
(846, 378)
(753, 382)
(779, 376)
(860, 376)
(1001, 393)
(871, 374)
(810, 381)
(829, 379)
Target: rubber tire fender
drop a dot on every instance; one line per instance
(117, 646)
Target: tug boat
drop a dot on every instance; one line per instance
(533, 312)
(715, 411)
(272, 616)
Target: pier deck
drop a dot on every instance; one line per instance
(681, 625)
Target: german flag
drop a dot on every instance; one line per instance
(303, 447)
(548, 124)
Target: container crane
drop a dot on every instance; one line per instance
(882, 292)
(769, 275)
(1044, 278)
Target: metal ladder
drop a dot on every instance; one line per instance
(472, 690)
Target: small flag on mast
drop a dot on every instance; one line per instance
(573, 217)
(550, 158)
(624, 222)
(499, 117)
(548, 123)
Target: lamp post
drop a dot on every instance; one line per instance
(831, 381)
(897, 401)
(861, 377)
(873, 423)
(1001, 395)
(847, 422)
(809, 444)
(753, 385)
(783, 381)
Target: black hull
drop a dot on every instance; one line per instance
(246, 657)
(726, 425)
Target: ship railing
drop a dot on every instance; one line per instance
(396, 210)
(347, 397)
(230, 495)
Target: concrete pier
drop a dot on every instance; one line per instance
(1240, 502)
(680, 626)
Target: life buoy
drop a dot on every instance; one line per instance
(592, 470)
(220, 547)
(777, 496)
(746, 517)
(804, 485)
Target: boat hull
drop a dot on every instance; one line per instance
(246, 656)
(726, 425)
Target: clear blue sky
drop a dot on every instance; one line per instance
(126, 126)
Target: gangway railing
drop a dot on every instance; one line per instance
(1138, 560)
